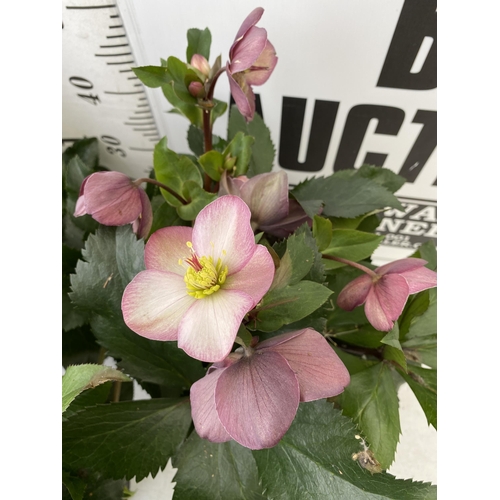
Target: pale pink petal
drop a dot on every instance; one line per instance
(263, 67)
(166, 246)
(257, 399)
(154, 303)
(222, 230)
(295, 218)
(256, 277)
(242, 94)
(386, 301)
(208, 329)
(251, 20)
(145, 220)
(205, 418)
(112, 199)
(401, 266)
(248, 50)
(231, 185)
(320, 372)
(420, 279)
(267, 196)
(355, 293)
(80, 208)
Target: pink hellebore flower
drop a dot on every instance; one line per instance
(200, 282)
(112, 199)
(267, 197)
(385, 296)
(253, 397)
(252, 59)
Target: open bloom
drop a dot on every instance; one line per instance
(267, 197)
(385, 294)
(200, 282)
(252, 397)
(252, 59)
(112, 199)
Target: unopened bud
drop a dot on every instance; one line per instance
(201, 64)
(197, 89)
(229, 162)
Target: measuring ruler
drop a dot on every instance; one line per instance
(102, 97)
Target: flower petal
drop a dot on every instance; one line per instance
(153, 304)
(208, 329)
(266, 62)
(320, 372)
(295, 218)
(222, 230)
(248, 49)
(355, 293)
(205, 418)
(401, 266)
(231, 185)
(251, 20)
(242, 94)
(143, 224)
(112, 199)
(267, 197)
(256, 277)
(386, 301)
(166, 246)
(257, 399)
(420, 279)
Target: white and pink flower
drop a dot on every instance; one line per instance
(200, 282)
(253, 396)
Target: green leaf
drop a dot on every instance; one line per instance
(153, 76)
(365, 336)
(174, 171)
(425, 324)
(179, 73)
(87, 150)
(392, 337)
(98, 487)
(113, 257)
(314, 461)
(198, 43)
(164, 216)
(195, 140)
(371, 401)
(210, 471)
(317, 271)
(383, 176)
(291, 303)
(322, 232)
(343, 197)
(352, 245)
(354, 364)
(90, 397)
(126, 439)
(76, 485)
(240, 147)
(263, 150)
(198, 199)
(212, 163)
(423, 383)
(393, 350)
(190, 110)
(81, 377)
(427, 251)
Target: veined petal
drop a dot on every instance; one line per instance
(320, 372)
(166, 246)
(242, 94)
(248, 50)
(267, 196)
(80, 208)
(263, 67)
(205, 418)
(231, 185)
(251, 20)
(401, 266)
(355, 293)
(295, 218)
(420, 279)
(256, 277)
(153, 304)
(257, 399)
(222, 230)
(208, 329)
(112, 199)
(386, 301)
(145, 220)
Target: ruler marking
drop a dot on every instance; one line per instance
(143, 111)
(124, 62)
(154, 139)
(143, 129)
(140, 117)
(116, 36)
(124, 93)
(113, 55)
(90, 6)
(113, 46)
(141, 106)
(137, 84)
(141, 124)
(117, 26)
(152, 134)
(141, 149)
(114, 16)
(133, 78)
(126, 71)
(142, 99)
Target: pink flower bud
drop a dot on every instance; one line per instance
(201, 64)
(196, 89)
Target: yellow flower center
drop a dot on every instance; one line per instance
(203, 277)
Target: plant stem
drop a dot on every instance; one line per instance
(365, 269)
(159, 184)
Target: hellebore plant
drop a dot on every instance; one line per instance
(231, 298)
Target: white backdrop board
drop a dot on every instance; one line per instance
(355, 83)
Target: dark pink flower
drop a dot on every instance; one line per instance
(253, 397)
(252, 59)
(267, 197)
(386, 294)
(112, 199)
